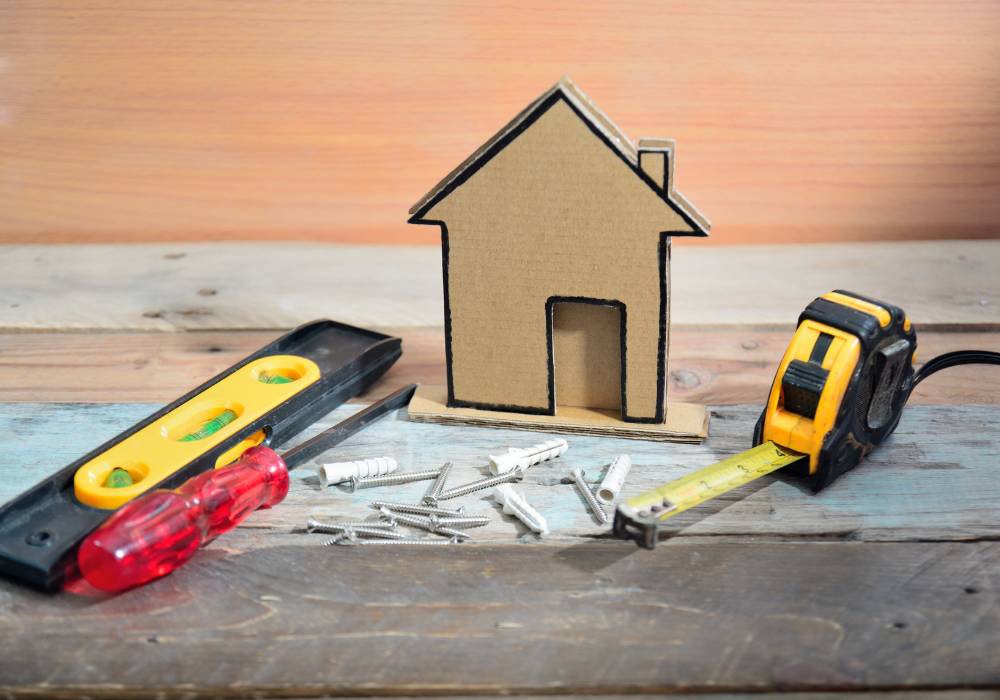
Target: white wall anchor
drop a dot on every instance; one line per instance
(515, 504)
(614, 479)
(524, 457)
(339, 472)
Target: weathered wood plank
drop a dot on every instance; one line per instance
(232, 286)
(934, 480)
(718, 617)
(150, 366)
(707, 366)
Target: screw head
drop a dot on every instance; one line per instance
(387, 515)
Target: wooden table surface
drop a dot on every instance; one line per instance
(884, 585)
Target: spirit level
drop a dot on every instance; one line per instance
(838, 393)
(160, 531)
(322, 364)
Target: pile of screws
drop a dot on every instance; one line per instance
(428, 515)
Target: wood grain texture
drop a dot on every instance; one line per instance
(707, 366)
(934, 480)
(485, 620)
(276, 286)
(327, 120)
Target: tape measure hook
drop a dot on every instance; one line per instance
(641, 528)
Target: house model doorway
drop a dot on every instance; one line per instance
(588, 344)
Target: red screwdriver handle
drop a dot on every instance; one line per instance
(161, 530)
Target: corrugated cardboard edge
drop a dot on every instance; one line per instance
(686, 422)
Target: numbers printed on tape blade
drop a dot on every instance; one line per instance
(712, 481)
(646, 511)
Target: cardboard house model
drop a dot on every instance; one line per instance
(556, 252)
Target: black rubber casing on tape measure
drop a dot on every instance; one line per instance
(41, 529)
(875, 396)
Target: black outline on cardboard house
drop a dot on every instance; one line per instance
(643, 174)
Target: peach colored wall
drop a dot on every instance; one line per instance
(191, 120)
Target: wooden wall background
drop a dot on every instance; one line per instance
(310, 119)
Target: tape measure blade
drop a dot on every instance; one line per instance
(716, 479)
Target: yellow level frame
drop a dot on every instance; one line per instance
(155, 452)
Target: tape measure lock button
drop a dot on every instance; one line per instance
(801, 386)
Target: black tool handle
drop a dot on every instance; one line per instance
(347, 427)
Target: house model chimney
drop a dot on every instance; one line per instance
(656, 160)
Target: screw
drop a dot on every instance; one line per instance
(316, 526)
(430, 524)
(588, 496)
(438, 486)
(489, 482)
(424, 541)
(391, 479)
(419, 510)
(341, 538)
(379, 532)
(467, 521)
(452, 532)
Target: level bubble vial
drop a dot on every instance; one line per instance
(277, 370)
(201, 423)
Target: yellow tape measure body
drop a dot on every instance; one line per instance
(839, 391)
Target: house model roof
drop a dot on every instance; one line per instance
(599, 122)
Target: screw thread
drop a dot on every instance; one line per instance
(410, 520)
(438, 485)
(489, 482)
(381, 533)
(417, 509)
(452, 532)
(392, 479)
(589, 497)
(333, 528)
(466, 521)
(431, 524)
(421, 541)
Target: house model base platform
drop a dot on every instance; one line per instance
(686, 422)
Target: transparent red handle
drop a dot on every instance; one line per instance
(161, 530)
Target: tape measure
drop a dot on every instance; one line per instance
(839, 391)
